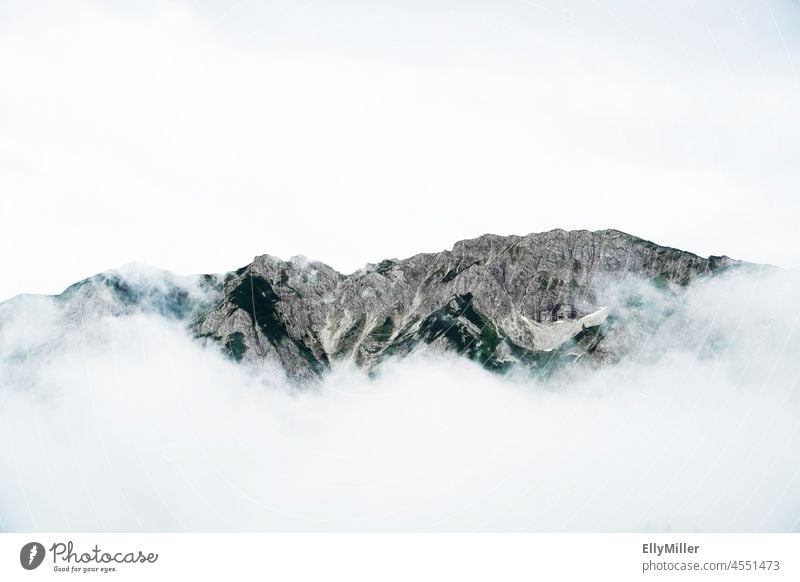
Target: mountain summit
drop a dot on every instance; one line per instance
(532, 301)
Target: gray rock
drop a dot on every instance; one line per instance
(534, 303)
(535, 300)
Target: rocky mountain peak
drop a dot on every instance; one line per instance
(499, 300)
(530, 302)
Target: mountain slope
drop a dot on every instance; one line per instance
(534, 301)
(498, 300)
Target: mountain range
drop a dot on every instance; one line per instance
(534, 303)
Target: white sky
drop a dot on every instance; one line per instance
(193, 137)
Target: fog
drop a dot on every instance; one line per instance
(194, 135)
(126, 423)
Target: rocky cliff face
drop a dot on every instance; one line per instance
(532, 303)
(533, 300)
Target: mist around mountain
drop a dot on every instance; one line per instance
(562, 381)
(534, 302)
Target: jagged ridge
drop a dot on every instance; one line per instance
(535, 301)
(498, 300)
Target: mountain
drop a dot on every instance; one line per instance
(535, 302)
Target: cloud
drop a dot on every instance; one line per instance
(268, 127)
(131, 425)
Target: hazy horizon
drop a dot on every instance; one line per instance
(135, 263)
(192, 137)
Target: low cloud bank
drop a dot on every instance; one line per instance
(126, 423)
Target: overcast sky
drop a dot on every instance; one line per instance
(193, 137)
